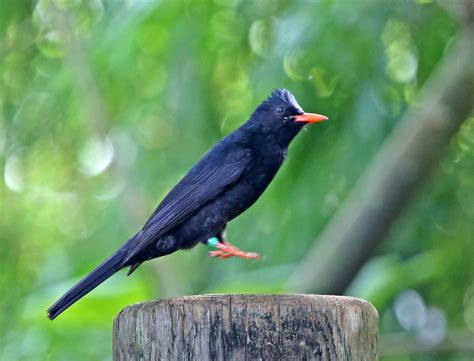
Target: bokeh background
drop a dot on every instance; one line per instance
(105, 104)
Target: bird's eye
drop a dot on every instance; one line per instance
(280, 110)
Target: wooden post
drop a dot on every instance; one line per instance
(248, 327)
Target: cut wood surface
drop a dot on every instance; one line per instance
(247, 327)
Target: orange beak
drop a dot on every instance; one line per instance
(309, 118)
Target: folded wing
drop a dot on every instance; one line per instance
(216, 172)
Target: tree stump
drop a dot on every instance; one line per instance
(247, 327)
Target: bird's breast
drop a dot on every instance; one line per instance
(231, 203)
(252, 185)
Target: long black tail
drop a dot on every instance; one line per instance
(88, 283)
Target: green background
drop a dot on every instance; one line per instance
(105, 104)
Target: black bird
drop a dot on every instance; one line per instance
(223, 184)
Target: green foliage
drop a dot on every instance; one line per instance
(105, 104)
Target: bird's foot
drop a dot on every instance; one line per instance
(226, 250)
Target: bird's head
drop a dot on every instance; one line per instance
(281, 115)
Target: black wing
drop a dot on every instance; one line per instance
(217, 171)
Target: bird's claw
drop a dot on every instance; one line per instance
(227, 250)
(220, 254)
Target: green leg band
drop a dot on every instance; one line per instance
(212, 242)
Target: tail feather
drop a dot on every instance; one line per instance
(88, 283)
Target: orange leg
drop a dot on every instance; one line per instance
(226, 250)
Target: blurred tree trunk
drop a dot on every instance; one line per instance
(402, 164)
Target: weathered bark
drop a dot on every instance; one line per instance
(248, 327)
